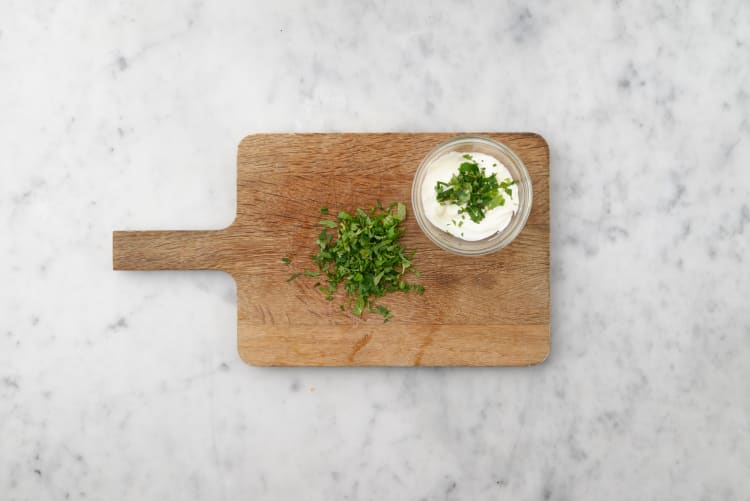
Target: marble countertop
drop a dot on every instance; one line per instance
(126, 115)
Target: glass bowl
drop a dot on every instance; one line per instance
(496, 241)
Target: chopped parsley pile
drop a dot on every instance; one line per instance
(362, 252)
(473, 190)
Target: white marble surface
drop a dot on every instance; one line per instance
(128, 386)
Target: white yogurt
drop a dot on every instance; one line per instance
(446, 217)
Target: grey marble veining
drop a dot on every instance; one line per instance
(128, 386)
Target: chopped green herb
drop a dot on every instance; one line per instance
(359, 305)
(387, 315)
(400, 211)
(365, 256)
(293, 276)
(309, 273)
(328, 223)
(324, 210)
(472, 190)
(286, 260)
(505, 186)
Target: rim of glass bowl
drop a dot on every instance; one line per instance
(496, 241)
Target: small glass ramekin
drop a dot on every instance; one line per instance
(496, 241)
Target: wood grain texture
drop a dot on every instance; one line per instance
(489, 310)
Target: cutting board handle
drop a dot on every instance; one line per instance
(167, 250)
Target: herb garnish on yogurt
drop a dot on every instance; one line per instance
(473, 190)
(470, 195)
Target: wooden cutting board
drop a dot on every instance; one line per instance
(490, 310)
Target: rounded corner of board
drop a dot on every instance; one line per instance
(248, 140)
(542, 357)
(543, 143)
(248, 357)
